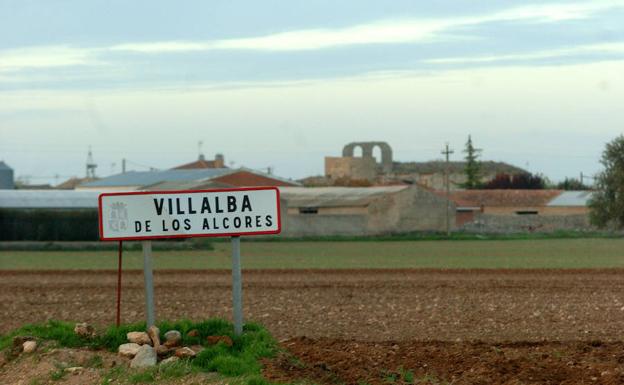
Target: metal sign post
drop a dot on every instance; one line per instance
(149, 283)
(119, 264)
(237, 287)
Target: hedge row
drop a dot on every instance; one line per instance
(48, 225)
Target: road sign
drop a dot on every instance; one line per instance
(148, 215)
(185, 214)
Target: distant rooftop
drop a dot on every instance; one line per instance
(335, 196)
(71, 183)
(146, 178)
(503, 198)
(57, 199)
(4, 166)
(202, 163)
(571, 199)
(439, 166)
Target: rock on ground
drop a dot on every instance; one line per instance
(140, 338)
(29, 346)
(213, 340)
(185, 353)
(173, 338)
(145, 357)
(129, 350)
(74, 370)
(154, 334)
(84, 330)
(169, 360)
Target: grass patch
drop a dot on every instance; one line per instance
(436, 236)
(510, 254)
(242, 357)
(113, 375)
(145, 377)
(239, 360)
(61, 332)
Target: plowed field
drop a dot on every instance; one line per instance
(535, 326)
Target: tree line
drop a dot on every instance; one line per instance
(504, 181)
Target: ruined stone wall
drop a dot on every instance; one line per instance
(351, 168)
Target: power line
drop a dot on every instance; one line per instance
(142, 165)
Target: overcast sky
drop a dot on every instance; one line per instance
(285, 83)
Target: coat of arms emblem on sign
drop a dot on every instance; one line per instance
(118, 220)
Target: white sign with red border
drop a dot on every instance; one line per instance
(185, 214)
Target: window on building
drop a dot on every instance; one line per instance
(527, 212)
(308, 210)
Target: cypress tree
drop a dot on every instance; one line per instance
(473, 166)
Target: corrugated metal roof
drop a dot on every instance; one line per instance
(57, 199)
(335, 196)
(571, 198)
(146, 178)
(194, 185)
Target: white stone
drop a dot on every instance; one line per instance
(185, 352)
(74, 370)
(145, 357)
(169, 360)
(129, 350)
(140, 338)
(29, 346)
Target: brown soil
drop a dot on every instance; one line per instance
(362, 325)
(330, 361)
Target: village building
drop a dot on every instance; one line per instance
(305, 212)
(185, 179)
(7, 180)
(367, 169)
(201, 162)
(511, 211)
(361, 210)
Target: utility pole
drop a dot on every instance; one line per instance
(446, 152)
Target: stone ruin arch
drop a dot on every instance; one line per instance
(367, 152)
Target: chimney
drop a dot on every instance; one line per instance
(219, 161)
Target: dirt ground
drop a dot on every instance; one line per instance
(331, 361)
(355, 326)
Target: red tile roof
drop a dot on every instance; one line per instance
(503, 198)
(200, 163)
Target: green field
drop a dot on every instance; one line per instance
(547, 253)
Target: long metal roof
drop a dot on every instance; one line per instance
(295, 196)
(145, 178)
(571, 198)
(335, 196)
(56, 199)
